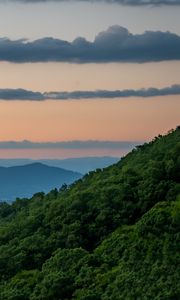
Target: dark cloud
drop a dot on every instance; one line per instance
(20, 94)
(151, 92)
(121, 2)
(69, 145)
(116, 44)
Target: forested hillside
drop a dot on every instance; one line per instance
(112, 235)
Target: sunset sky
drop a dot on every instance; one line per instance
(138, 49)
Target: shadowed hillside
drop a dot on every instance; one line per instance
(112, 235)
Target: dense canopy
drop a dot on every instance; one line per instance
(112, 235)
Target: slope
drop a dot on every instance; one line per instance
(114, 234)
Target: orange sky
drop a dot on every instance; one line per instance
(123, 119)
(69, 77)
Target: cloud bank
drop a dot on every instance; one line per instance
(121, 2)
(116, 44)
(69, 145)
(25, 95)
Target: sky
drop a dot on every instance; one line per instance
(87, 71)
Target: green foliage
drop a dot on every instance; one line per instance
(20, 286)
(59, 274)
(137, 262)
(114, 234)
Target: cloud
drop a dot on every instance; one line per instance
(116, 44)
(68, 145)
(21, 94)
(121, 2)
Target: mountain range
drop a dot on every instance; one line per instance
(24, 181)
(82, 165)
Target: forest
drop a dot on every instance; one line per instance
(112, 235)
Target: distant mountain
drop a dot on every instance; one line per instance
(81, 164)
(24, 181)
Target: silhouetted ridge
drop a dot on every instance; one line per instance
(24, 181)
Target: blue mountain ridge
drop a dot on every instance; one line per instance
(24, 181)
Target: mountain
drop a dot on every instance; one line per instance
(112, 235)
(24, 181)
(83, 165)
(80, 164)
